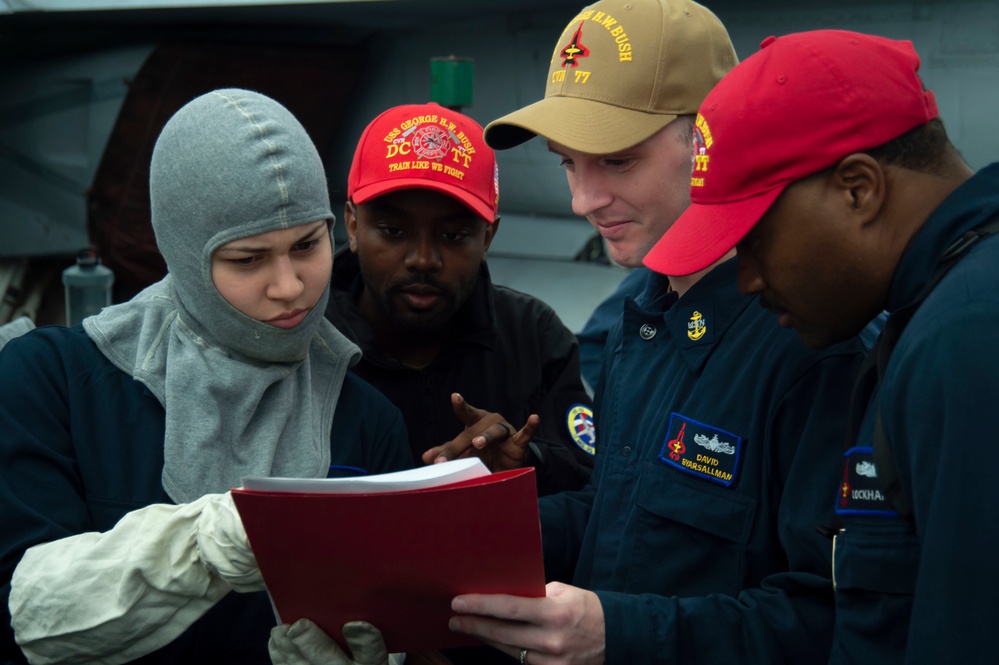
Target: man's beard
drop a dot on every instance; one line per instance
(427, 323)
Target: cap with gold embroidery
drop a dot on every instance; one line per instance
(425, 146)
(621, 71)
(795, 107)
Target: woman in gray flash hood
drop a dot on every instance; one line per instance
(241, 397)
(228, 165)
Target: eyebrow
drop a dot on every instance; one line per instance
(249, 249)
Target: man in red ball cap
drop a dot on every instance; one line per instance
(412, 289)
(825, 162)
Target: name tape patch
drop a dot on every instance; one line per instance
(860, 490)
(702, 450)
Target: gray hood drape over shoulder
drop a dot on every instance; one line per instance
(241, 397)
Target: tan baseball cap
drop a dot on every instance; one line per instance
(621, 71)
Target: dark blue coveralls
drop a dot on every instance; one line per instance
(81, 444)
(718, 431)
(926, 592)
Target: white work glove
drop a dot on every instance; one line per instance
(223, 545)
(304, 643)
(108, 598)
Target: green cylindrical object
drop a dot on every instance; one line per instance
(451, 81)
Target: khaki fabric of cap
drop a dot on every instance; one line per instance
(621, 71)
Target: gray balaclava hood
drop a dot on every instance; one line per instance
(241, 397)
(240, 164)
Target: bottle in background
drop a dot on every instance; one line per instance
(88, 286)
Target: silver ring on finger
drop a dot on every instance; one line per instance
(523, 656)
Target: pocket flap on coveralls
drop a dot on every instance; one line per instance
(690, 501)
(883, 563)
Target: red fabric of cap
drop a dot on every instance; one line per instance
(794, 108)
(425, 146)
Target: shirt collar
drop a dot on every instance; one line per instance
(968, 206)
(697, 321)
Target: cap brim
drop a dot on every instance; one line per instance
(705, 232)
(580, 124)
(364, 194)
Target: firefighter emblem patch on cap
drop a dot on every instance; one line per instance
(425, 143)
(425, 146)
(702, 450)
(579, 419)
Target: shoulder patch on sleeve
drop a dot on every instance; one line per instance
(579, 420)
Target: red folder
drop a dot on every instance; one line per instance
(396, 559)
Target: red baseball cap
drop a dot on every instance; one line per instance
(426, 146)
(790, 110)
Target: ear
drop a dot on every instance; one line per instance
(491, 230)
(860, 180)
(350, 222)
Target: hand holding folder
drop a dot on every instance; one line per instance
(394, 549)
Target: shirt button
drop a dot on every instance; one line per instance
(647, 331)
(626, 451)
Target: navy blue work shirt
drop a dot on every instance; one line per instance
(720, 434)
(925, 593)
(81, 444)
